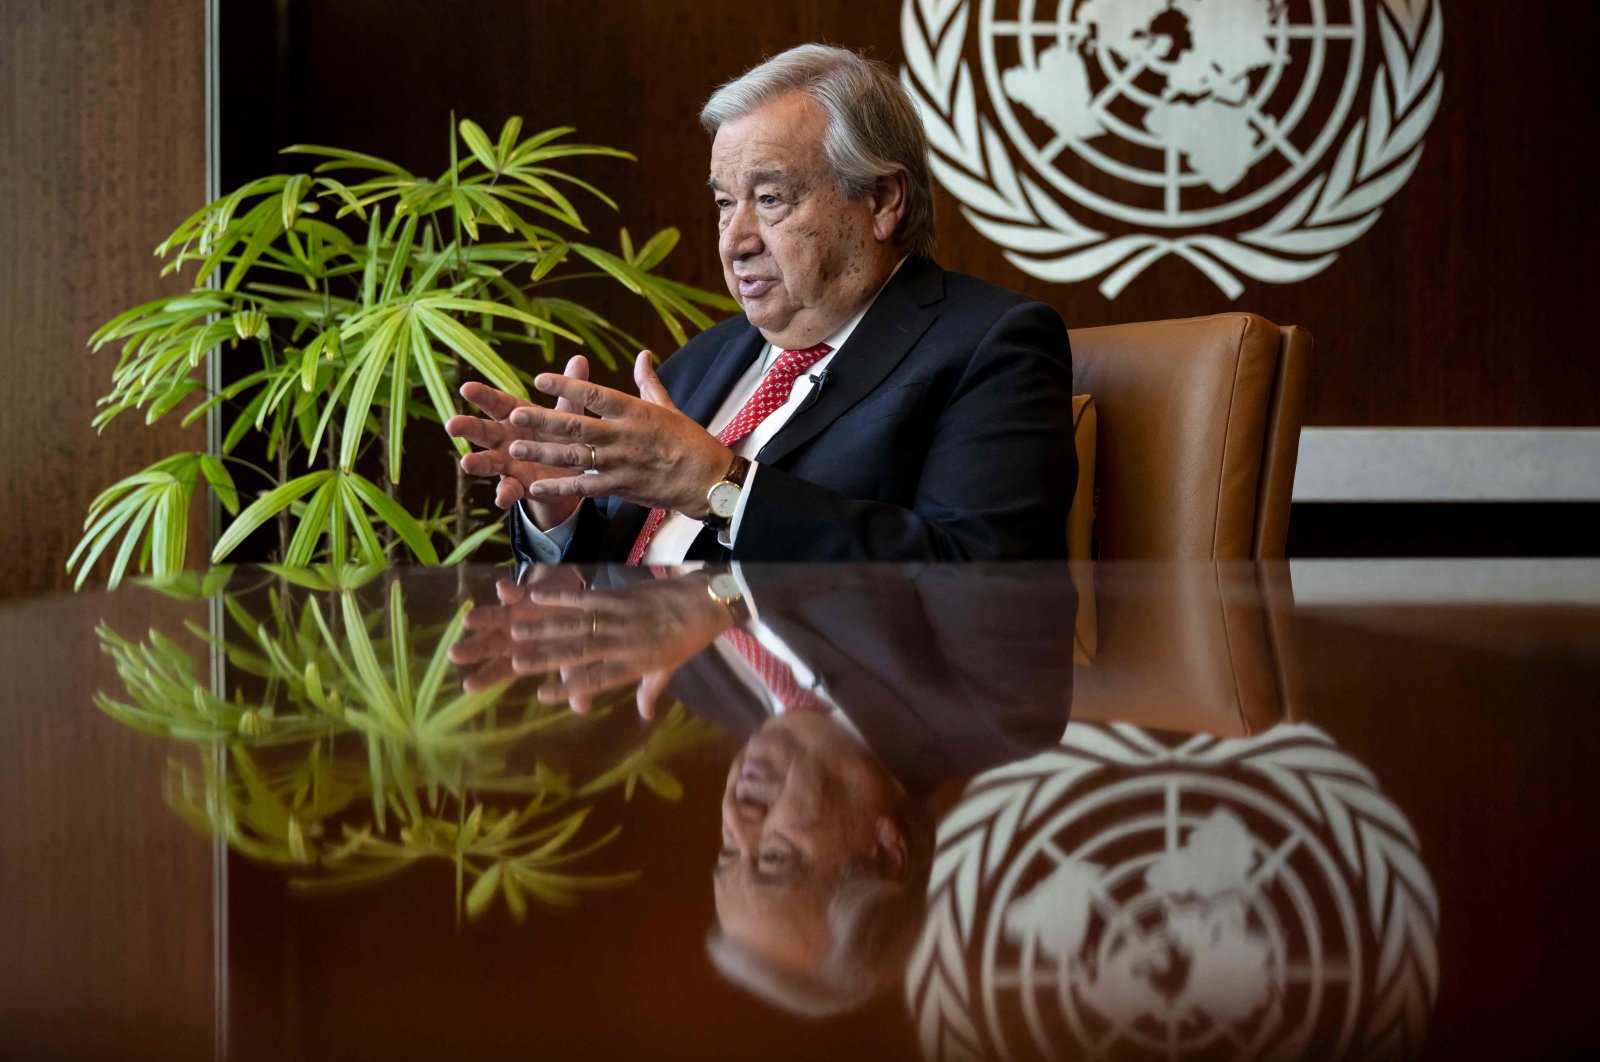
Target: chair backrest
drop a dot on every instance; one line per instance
(1198, 432)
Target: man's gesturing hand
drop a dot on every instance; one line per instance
(647, 452)
(495, 435)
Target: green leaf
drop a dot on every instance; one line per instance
(366, 535)
(131, 538)
(439, 664)
(293, 192)
(464, 212)
(478, 141)
(470, 544)
(313, 523)
(343, 160)
(265, 508)
(662, 784)
(399, 390)
(432, 379)
(369, 273)
(221, 482)
(493, 309)
(474, 351)
(169, 530)
(508, 137)
(620, 270)
(389, 511)
(483, 890)
(380, 695)
(374, 357)
(398, 260)
(656, 248)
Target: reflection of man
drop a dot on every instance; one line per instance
(821, 882)
(861, 692)
(866, 406)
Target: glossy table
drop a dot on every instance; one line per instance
(1169, 811)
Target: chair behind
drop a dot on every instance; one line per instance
(1198, 433)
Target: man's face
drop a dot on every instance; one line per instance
(804, 802)
(798, 256)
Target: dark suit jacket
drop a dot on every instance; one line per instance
(945, 673)
(943, 432)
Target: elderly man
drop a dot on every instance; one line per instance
(866, 406)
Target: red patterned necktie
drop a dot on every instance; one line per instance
(770, 395)
(777, 675)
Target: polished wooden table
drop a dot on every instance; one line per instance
(1318, 809)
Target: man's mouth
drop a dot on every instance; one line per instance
(755, 287)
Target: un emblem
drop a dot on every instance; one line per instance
(1123, 896)
(1250, 138)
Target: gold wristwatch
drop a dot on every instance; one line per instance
(722, 500)
(722, 586)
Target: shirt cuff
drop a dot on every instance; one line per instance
(547, 547)
(728, 535)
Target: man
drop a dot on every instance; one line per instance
(863, 692)
(867, 405)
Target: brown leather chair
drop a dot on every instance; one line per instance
(1198, 432)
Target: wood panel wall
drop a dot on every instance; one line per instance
(106, 894)
(1458, 308)
(102, 153)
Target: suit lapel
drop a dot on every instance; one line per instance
(896, 321)
(737, 353)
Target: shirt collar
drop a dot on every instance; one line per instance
(842, 333)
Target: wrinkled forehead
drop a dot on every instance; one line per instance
(781, 138)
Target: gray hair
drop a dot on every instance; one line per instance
(873, 127)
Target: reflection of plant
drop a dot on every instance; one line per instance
(349, 333)
(354, 754)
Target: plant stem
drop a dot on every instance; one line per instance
(283, 514)
(391, 490)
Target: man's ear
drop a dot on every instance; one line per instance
(890, 851)
(888, 206)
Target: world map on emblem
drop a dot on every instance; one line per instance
(1250, 138)
(1204, 56)
(1139, 895)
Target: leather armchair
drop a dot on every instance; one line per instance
(1198, 432)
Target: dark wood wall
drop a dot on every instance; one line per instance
(102, 153)
(1457, 308)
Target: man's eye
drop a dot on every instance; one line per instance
(768, 200)
(728, 852)
(773, 858)
(724, 204)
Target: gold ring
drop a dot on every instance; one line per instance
(594, 461)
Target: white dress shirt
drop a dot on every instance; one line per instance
(773, 643)
(677, 532)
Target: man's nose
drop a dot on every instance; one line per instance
(741, 238)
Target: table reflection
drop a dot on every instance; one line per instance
(1025, 812)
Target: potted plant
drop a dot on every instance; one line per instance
(349, 302)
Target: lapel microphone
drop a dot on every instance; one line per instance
(816, 390)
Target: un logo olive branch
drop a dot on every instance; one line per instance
(1347, 943)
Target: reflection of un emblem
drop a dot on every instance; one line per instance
(1247, 137)
(1122, 898)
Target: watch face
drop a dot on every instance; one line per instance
(723, 500)
(724, 587)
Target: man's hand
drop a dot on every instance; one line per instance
(647, 452)
(590, 641)
(495, 435)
